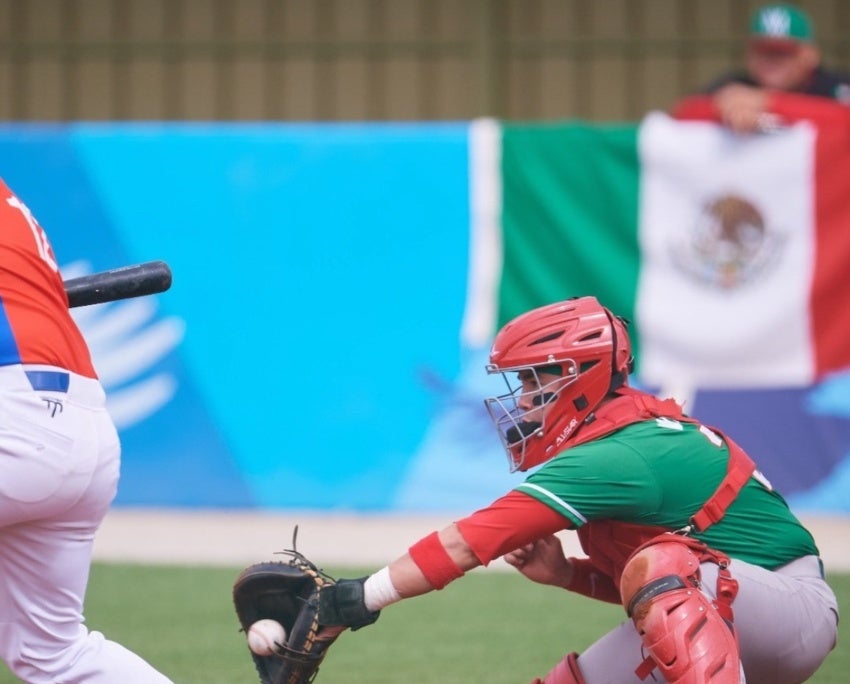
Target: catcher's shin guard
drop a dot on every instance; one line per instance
(685, 635)
(565, 672)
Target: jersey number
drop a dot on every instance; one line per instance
(672, 424)
(41, 243)
(714, 438)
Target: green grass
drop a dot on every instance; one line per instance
(487, 627)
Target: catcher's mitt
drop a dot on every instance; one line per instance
(287, 592)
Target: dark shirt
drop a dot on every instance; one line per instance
(823, 83)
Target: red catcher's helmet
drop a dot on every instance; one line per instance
(583, 345)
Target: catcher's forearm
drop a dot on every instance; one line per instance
(432, 563)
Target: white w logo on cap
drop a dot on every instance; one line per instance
(776, 22)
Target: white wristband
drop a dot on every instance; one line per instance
(378, 590)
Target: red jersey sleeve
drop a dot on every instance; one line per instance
(517, 519)
(506, 524)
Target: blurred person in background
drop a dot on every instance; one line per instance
(59, 465)
(784, 80)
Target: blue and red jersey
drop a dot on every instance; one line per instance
(35, 324)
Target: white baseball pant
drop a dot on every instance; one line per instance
(59, 465)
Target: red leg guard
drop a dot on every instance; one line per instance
(565, 672)
(682, 631)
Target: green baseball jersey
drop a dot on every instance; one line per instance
(660, 472)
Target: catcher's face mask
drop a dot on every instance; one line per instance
(520, 415)
(576, 351)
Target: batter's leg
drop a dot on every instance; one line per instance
(43, 639)
(47, 529)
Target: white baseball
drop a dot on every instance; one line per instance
(264, 636)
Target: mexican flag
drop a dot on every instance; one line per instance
(730, 254)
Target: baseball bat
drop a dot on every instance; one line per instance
(119, 283)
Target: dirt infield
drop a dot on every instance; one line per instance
(235, 538)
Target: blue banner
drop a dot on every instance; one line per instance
(308, 354)
(319, 275)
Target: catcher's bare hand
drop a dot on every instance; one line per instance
(542, 561)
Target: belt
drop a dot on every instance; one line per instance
(49, 381)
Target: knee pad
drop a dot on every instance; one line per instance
(565, 672)
(687, 639)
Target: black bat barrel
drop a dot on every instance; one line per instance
(120, 283)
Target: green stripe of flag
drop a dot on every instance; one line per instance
(570, 208)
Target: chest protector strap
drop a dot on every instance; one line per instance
(633, 406)
(738, 471)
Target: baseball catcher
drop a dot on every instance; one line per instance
(292, 593)
(720, 582)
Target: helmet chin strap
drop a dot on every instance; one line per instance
(618, 380)
(618, 377)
